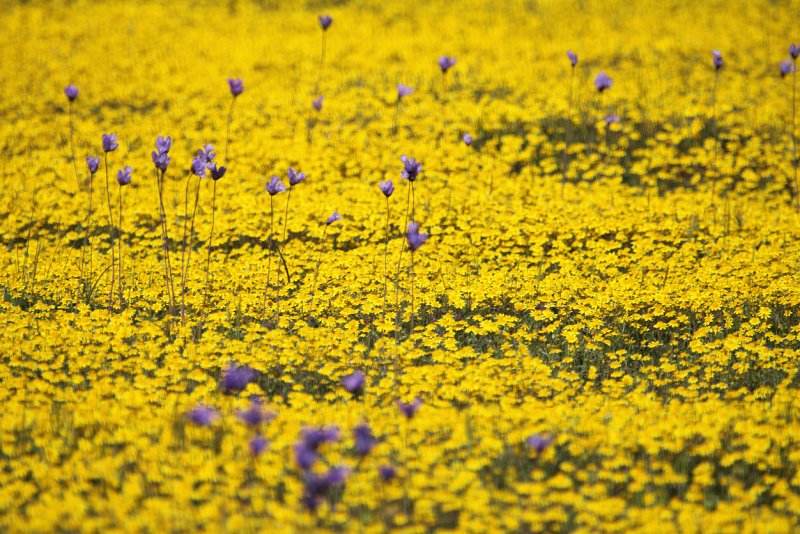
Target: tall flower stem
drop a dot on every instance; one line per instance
(385, 258)
(228, 129)
(87, 240)
(794, 134)
(188, 247)
(411, 283)
(316, 273)
(210, 242)
(567, 134)
(715, 172)
(269, 255)
(165, 244)
(120, 285)
(409, 211)
(286, 215)
(72, 146)
(321, 67)
(110, 233)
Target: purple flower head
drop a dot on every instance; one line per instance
(403, 90)
(237, 377)
(446, 63)
(199, 167)
(539, 442)
(202, 415)
(275, 186)
(354, 383)
(333, 218)
(414, 237)
(236, 85)
(255, 415)
(258, 445)
(325, 22)
(794, 50)
(411, 168)
(573, 57)
(787, 67)
(317, 103)
(611, 119)
(387, 472)
(387, 188)
(295, 177)
(163, 144)
(603, 82)
(314, 437)
(160, 160)
(216, 172)
(124, 176)
(716, 57)
(317, 486)
(304, 456)
(467, 139)
(71, 91)
(93, 163)
(110, 142)
(409, 409)
(365, 440)
(206, 154)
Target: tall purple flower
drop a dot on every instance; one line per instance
(325, 22)
(216, 172)
(467, 139)
(161, 160)
(124, 176)
(202, 415)
(611, 119)
(317, 103)
(716, 57)
(411, 168)
(255, 415)
(603, 82)
(539, 442)
(93, 164)
(409, 409)
(794, 50)
(446, 63)
(354, 383)
(317, 486)
(199, 167)
(110, 142)
(237, 377)
(573, 57)
(275, 186)
(258, 445)
(333, 218)
(295, 177)
(387, 188)
(163, 144)
(403, 90)
(71, 91)
(206, 154)
(236, 85)
(387, 472)
(364, 438)
(414, 237)
(787, 67)
(311, 439)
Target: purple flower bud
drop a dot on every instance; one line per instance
(446, 63)
(206, 154)
(258, 445)
(275, 186)
(387, 472)
(414, 237)
(602, 82)
(403, 90)
(124, 176)
(199, 167)
(573, 57)
(110, 142)
(794, 50)
(236, 377)
(333, 218)
(71, 91)
(467, 139)
(202, 415)
(387, 188)
(236, 85)
(611, 119)
(317, 103)
(787, 67)
(354, 383)
(216, 173)
(411, 168)
(295, 177)
(365, 440)
(255, 415)
(160, 160)
(325, 22)
(163, 144)
(539, 442)
(93, 164)
(409, 409)
(716, 56)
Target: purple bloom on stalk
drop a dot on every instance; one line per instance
(411, 168)
(199, 167)
(93, 163)
(317, 486)
(787, 67)
(409, 409)
(467, 139)
(333, 218)
(71, 91)
(325, 22)
(124, 176)
(163, 144)
(110, 142)
(365, 440)
(295, 177)
(255, 414)
(403, 90)
(304, 456)
(603, 82)
(206, 154)
(354, 383)
(387, 188)
(202, 415)
(160, 160)
(317, 103)
(611, 119)
(216, 172)
(236, 85)
(314, 437)
(387, 472)
(237, 377)
(573, 57)
(794, 50)
(258, 445)
(414, 237)
(275, 186)
(716, 56)
(539, 442)
(446, 63)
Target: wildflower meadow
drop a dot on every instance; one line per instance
(366, 266)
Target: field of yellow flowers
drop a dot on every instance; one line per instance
(368, 266)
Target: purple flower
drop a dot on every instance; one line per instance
(325, 22)
(304, 456)
(446, 63)
(206, 154)
(199, 167)
(161, 160)
(124, 176)
(411, 168)
(539, 442)
(237, 377)
(716, 56)
(602, 82)
(611, 119)
(333, 218)
(258, 445)
(403, 90)
(110, 142)
(787, 67)
(314, 437)
(295, 177)
(387, 472)
(387, 188)
(317, 103)
(275, 186)
(163, 144)
(365, 440)
(255, 414)
(794, 50)
(71, 91)
(573, 57)
(93, 164)
(467, 139)
(354, 383)
(236, 85)
(202, 415)
(414, 237)
(216, 172)
(409, 409)
(317, 486)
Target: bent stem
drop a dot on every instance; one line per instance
(110, 234)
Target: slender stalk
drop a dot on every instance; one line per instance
(120, 285)
(385, 258)
(714, 176)
(411, 283)
(567, 133)
(228, 129)
(110, 233)
(269, 255)
(210, 241)
(409, 210)
(87, 241)
(188, 251)
(316, 273)
(72, 146)
(286, 214)
(165, 244)
(794, 134)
